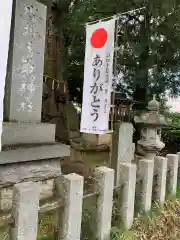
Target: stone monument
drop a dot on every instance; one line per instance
(24, 81)
(36, 156)
(5, 26)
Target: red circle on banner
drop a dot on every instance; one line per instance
(99, 38)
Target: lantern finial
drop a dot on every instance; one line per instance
(153, 105)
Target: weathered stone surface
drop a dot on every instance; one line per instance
(160, 179)
(122, 147)
(35, 171)
(146, 173)
(172, 161)
(97, 139)
(71, 191)
(6, 194)
(25, 211)
(125, 146)
(27, 133)
(24, 83)
(26, 154)
(127, 195)
(150, 124)
(104, 184)
(178, 168)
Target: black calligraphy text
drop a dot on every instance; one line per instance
(96, 87)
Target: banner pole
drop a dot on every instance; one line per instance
(115, 74)
(114, 90)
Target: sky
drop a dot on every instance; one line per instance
(175, 104)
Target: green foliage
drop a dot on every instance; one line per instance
(88, 225)
(161, 223)
(46, 227)
(117, 234)
(171, 135)
(174, 124)
(149, 55)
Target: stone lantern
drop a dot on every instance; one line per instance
(150, 125)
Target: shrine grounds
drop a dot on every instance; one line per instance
(159, 223)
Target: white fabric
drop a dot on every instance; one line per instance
(5, 25)
(106, 54)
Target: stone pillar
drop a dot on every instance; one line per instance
(172, 161)
(24, 83)
(127, 196)
(146, 168)
(104, 184)
(25, 211)
(178, 168)
(5, 25)
(71, 215)
(122, 147)
(160, 179)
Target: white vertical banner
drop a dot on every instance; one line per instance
(98, 74)
(5, 25)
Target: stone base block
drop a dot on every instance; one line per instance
(43, 171)
(27, 133)
(11, 174)
(92, 159)
(33, 154)
(97, 139)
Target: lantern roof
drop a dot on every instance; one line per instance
(152, 117)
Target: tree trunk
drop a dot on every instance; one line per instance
(141, 75)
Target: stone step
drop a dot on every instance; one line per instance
(28, 154)
(27, 133)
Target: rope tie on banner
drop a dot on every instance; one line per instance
(117, 16)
